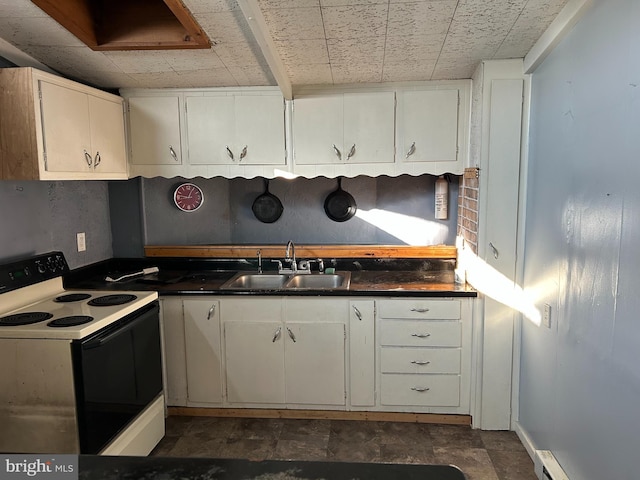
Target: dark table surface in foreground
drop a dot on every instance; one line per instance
(168, 468)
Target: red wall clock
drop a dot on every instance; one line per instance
(188, 197)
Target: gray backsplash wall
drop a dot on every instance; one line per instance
(405, 203)
(38, 217)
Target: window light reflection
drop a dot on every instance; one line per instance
(410, 230)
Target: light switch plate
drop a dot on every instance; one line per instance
(81, 241)
(546, 316)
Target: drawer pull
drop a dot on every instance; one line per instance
(420, 310)
(421, 335)
(420, 362)
(420, 389)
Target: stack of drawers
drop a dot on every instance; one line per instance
(420, 351)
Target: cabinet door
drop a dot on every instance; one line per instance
(203, 350)
(369, 127)
(254, 362)
(174, 353)
(210, 130)
(259, 123)
(107, 136)
(154, 124)
(314, 363)
(429, 126)
(317, 127)
(65, 129)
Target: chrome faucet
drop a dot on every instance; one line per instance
(290, 255)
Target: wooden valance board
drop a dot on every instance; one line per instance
(306, 251)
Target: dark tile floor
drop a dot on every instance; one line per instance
(482, 455)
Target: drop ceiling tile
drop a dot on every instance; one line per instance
(350, 3)
(189, 60)
(295, 23)
(225, 27)
(482, 19)
(265, 4)
(36, 31)
(80, 59)
(420, 18)
(445, 70)
(110, 80)
(13, 8)
(241, 54)
(295, 51)
(142, 61)
(355, 21)
(215, 77)
(356, 73)
(413, 48)
(316, 74)
(408, 72)
(356, 50)
(257, 75)
(211, 6)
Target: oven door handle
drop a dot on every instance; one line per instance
(109, 335)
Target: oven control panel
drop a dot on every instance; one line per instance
(28, 271)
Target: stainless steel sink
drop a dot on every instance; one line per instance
(255, 281)
(332, 281)
(300, 281)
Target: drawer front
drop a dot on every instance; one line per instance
(420, 360)
(427, 309)
(416, 333)
(420, 390)
(256, 310)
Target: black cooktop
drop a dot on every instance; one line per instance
(25, 318)
(110, 300)
(70, 321)
(72, 297)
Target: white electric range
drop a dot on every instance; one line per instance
(83, 369)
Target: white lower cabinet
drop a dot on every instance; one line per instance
(284, 351)
(203, 351)
(372, 354)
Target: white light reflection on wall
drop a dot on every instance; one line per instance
(411, 230)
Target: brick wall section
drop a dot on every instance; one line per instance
(468, 207)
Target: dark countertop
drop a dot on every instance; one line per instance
(161, 468)
(421, 278)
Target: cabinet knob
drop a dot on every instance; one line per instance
(276, 335)
(420, 310)
(420, 362)
(98, 160)
(88, 158)
(172, 152)
(412, 150)
(338, 152)
(421, 335)
(291, 335)
(243, 153)
(211, 311)
(357, 312)
(229, 153)
(420, 389)
(496, 254)
(352, 152)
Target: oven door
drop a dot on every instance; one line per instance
(118, 372)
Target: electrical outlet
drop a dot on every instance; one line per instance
(546, 316)
(81, 241)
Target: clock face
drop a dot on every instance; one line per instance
(188, 197)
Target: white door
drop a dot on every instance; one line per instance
(203, 350)
(369, 127)
(107, 136)
(429, 126)
(318, 130)
(254, 362)
(314, 363)
(65, 129)
(154, 123)
(259, 125)
(211, 130)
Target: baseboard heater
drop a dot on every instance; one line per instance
(547, 467)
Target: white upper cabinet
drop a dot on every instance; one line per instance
(236, 129)
(349, 128)
(154, 127)
(59, 129)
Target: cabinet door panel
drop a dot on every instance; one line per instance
(430, 120)
(65, 127)
(254, 362)
(211, 129)
(107, 135)
(259, 124)
(203, 350)
(317, 126)
(369, 125)
(155, 130)
(314, 363)
(362, 362)
(174, 352)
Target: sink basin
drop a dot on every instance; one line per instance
(333, 281)
(256, 281)
(300, 281)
